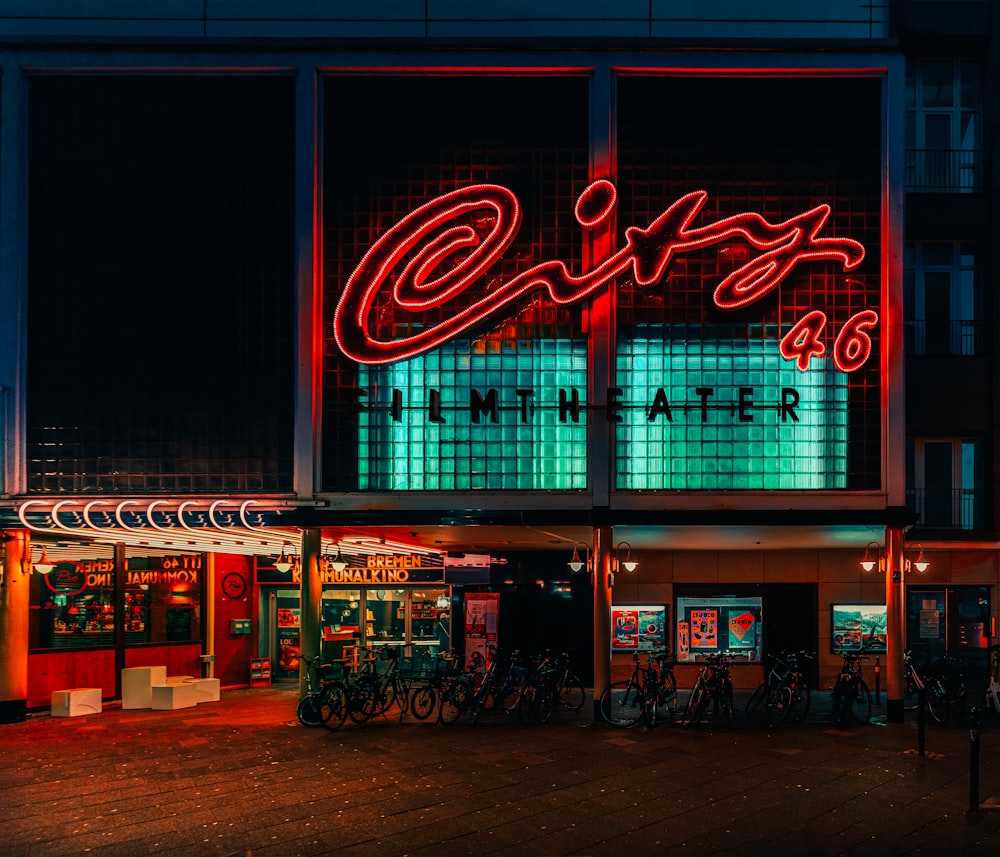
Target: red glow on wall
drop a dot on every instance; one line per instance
(475, 225)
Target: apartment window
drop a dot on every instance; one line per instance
(945, 482)
(942, 299)
(943, 126)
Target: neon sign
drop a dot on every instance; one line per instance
(414, 249)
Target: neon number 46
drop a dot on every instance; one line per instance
(850, 350)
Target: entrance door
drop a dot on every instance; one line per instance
(791, 622)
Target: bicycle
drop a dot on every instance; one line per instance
(784, 691)
(325, 705)
(851, 698)
(713, 686)
(644, 696)
(935, 696)
(427, 677)
(456, 696)
(556, 686)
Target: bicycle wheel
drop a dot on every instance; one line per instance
(361, 703)
(308, 711)
(572, 694)
(757, 701)
(668, 692)
(861, 702)
(621, 704)
(799, 706)
(937, 702)
(333, 704)
(696, 705)
(422, 702)
(543, 703)
(454, 700)
(778, 706)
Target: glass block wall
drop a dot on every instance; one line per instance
(681, 133)
(428, 430)
(391, 145)
(726, 415)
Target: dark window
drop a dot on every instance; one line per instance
(161, 307)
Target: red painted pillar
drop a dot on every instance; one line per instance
(14, 598)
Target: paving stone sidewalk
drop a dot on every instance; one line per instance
(241, 776)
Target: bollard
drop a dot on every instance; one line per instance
(920, 720)
(878, 680)
(974, 759)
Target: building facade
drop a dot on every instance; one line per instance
(357, 323)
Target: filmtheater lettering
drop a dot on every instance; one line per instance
(415, 249)
(696, 405)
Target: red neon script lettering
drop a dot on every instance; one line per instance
(476, 225)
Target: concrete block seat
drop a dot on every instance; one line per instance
(175, 692)
(76, 701)
(137, 685)
(207, 688)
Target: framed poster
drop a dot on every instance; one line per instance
(638, 628)
(858, 627)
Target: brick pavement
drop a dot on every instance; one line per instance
(241, 776)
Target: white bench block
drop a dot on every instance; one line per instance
(137, 685)
(76, 701)
(208, 689)
(180, 694)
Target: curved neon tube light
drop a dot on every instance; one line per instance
(421, 241)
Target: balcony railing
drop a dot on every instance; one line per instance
(935, 170)
(960, 509)
(962, 337)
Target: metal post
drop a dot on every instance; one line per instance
(974, 760)
(921, 728)
(878, 681)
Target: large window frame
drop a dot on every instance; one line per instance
(945, 482)
(942, 299)
(943, 125)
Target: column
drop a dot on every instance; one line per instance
(600, 559)
(14, 595)
(895, 609)
(310, 602)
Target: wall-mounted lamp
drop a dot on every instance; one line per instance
(576, 564)
(920, 564)
(44, 564)
(875, 558)
(627, 563)
(338, 563)
(618, 563)
(284, 562)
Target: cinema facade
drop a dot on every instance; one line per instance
(341, 344)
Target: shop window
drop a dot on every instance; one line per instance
(712, 624)
(945, 482)
(942, 299)
(74, 605)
